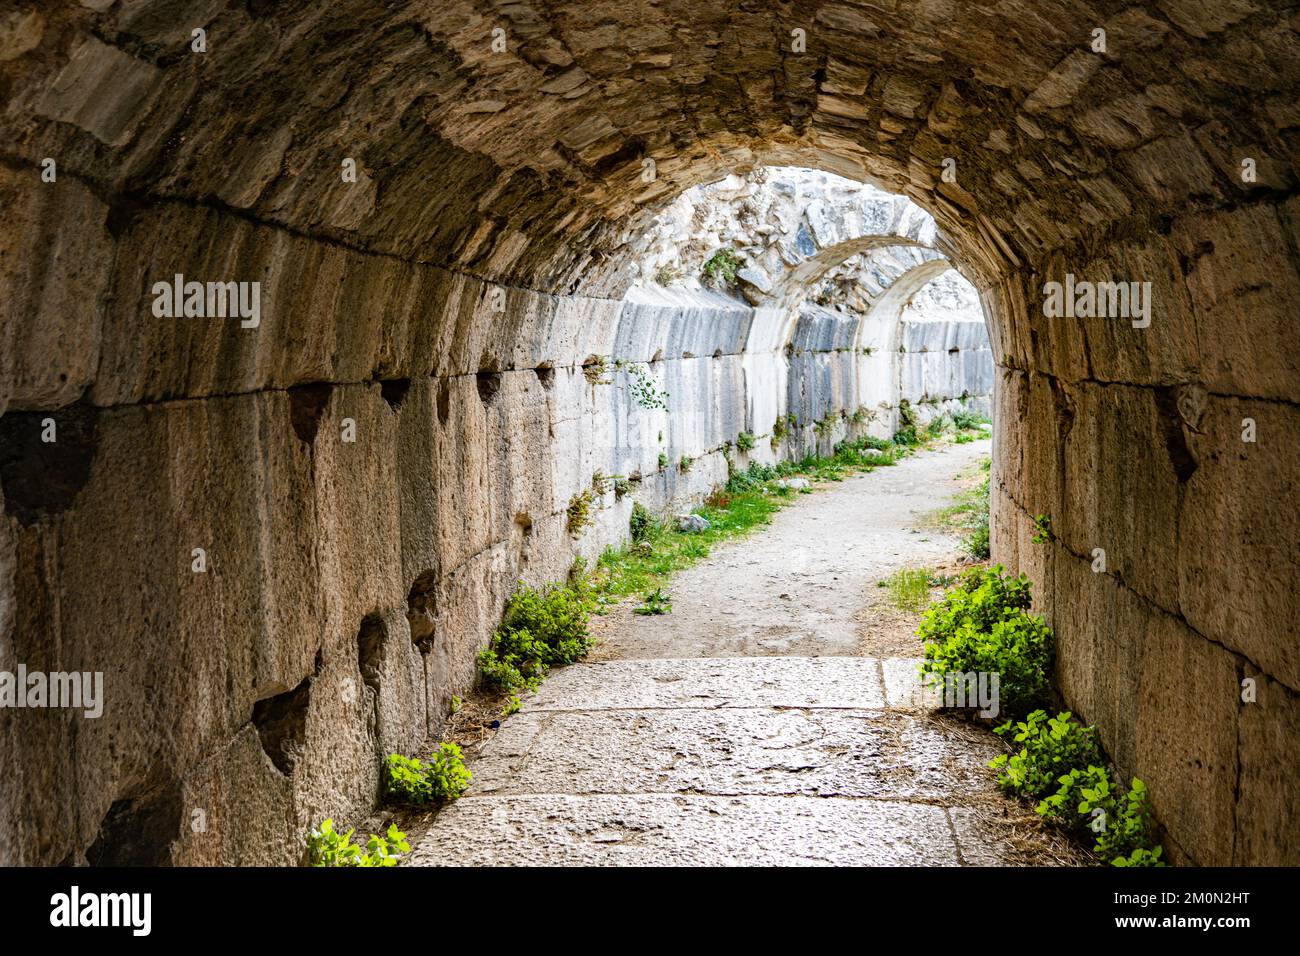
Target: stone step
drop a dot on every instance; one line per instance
(754, 751)
(772, 760)
(686, 830)
(861, 683)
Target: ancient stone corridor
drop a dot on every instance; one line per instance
(325, 326)
(731, 733)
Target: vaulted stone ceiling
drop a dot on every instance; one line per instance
(527, 163)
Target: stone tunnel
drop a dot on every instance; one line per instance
(283, 536)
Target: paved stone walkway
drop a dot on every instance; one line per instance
(757, 759)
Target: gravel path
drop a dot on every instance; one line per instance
(800, 585)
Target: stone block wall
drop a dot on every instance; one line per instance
(349, 583)
(1182, 647)
(944, 363)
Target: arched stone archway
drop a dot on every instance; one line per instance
(483, 242)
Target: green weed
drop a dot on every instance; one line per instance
(579, 511)
(656, 602)
(327, 847)
(1042, 530)
(641, 523)
(722, 266)
(909, 589)
(1060, 762)
(540, 630)
(443, 777)
(982, 626)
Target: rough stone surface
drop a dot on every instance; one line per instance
(838, 682)
(687, 830)
(761, 751)
(690, 523)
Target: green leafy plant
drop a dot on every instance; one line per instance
(579, 511)
(641, 524)
(327, 847)
(645, 391)
(407, 781)
(1042, 530)
(685, 463)
(540, 630)
(1128, 826)
(1087, 802)
(442, 777)
(1050, 748)
(750, 478)
(1141, 857)
(965, 420)
(456, 704)
(448, 776)
(664, 461)
(907, 437)
(1077, 793)
(745, 441)
(656, 602)
(981, 626)
(513, 706)
(722, 266)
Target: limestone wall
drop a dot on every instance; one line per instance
(349, 584)
(942, 363)
(1182, 647)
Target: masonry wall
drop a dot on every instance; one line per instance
(1132, 441)
(945, 365)
(348, 583)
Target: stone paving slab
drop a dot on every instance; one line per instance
(978, 845)
(679, 830)
(903, 688)
(843, 682)
(855, 753)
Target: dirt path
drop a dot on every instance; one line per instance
(807, 583)
(769, 719)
